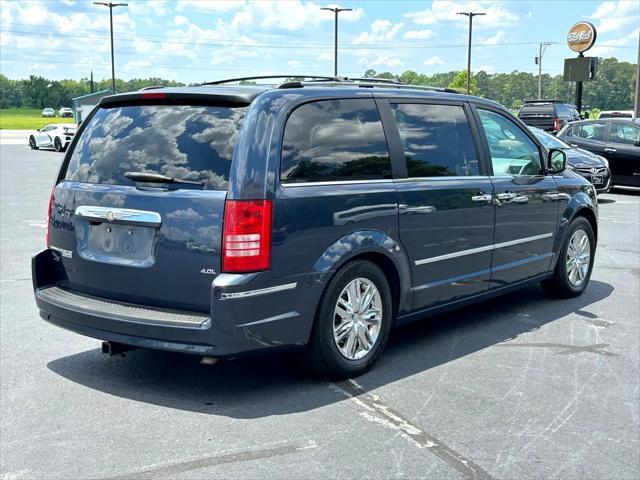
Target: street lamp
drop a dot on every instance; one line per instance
(111, 5)
(470, 15)
(336, 11)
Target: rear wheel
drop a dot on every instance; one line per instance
(32, 143)
(352, 323)
(575, 262)
(57, 145)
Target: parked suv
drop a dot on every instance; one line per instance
(218, 220)
(548, 115)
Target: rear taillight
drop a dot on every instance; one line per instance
(46, 235)
(246, 239)
(556, 124)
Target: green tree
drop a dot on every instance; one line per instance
(459, 82)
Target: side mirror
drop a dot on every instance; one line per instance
(636, 143)
(556, 161)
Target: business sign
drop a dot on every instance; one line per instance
(581, 37)
(580, 69)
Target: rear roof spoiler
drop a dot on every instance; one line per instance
(222, 96)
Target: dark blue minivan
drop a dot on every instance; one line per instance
(221, 219)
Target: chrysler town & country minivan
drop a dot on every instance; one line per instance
(223, 219)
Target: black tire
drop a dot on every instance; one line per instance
(32, 143)
(322, 353)
(57, 145)
(560, 285)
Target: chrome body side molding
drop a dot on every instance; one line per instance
(261, 291)
(485, 248)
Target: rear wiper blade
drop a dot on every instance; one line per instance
(158, 178)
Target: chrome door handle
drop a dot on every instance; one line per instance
(610, 150)
(483, 197)
(506, 196)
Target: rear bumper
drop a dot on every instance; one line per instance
(246, 314)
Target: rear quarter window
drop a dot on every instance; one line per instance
(332, 140)
(181, 141)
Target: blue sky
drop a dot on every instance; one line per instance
(192, 41)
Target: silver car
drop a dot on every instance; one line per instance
(48, 112)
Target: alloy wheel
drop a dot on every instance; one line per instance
(578, 257)
(357, 318)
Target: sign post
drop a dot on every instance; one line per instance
(581, 38)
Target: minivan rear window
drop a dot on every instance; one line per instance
(181, 141)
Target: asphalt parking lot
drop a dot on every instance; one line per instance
(518, 387)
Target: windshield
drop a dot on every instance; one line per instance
(548, 140)
(189, 142)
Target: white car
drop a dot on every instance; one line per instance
(65, 112)
(48, 112)
(56, 135)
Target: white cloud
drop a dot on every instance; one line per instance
(420, 34)
(484, 68)
(442, 11)
(496, 39)
(294, 63)
(381, 31)
(292, 15)
(324, 56)
(381, 61)
(209, 5)
(612, 16)
(241, 20)
(435, 60)
(180, 20)
(610, 45)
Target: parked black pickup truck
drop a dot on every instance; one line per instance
(548, 115)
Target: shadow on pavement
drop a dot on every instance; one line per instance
(253, 387)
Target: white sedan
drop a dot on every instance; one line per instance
(56, 135)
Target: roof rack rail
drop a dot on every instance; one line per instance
(266, 77)
(151, 87)
(542, 100)
(376, 80)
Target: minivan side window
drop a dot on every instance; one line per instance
(332, 140)
(512, 152)
(437, 140)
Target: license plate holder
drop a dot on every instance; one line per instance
(118, 244)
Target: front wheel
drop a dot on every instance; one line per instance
(32, 143)
(575, 261)
(352, 323)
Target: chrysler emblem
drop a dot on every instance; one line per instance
(110, 216)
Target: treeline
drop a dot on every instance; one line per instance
(613, 89)
(40, 92)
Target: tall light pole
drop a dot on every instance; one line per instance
(113, 69)
(543, 46)
(470, 15)
(336, 11)
(636, 107)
